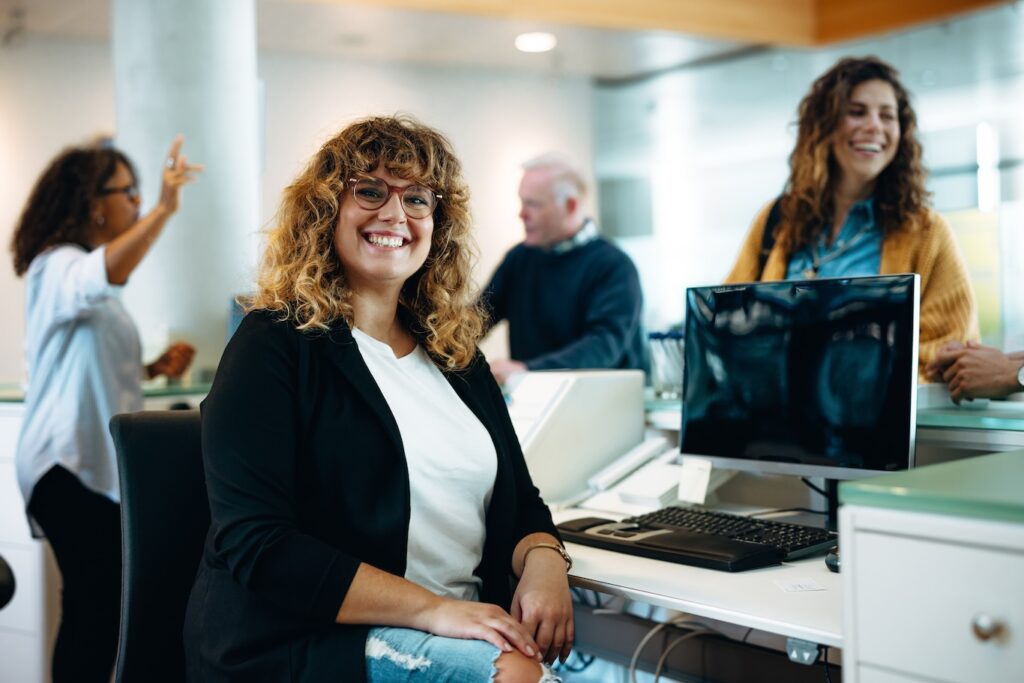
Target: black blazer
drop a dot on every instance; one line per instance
(307, 478)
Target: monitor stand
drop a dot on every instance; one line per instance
(832, 500)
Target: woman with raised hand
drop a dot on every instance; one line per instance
(855, 203)
(369, 499)
(78, 240)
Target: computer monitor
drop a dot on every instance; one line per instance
(812, 377)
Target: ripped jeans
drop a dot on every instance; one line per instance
(398, 655)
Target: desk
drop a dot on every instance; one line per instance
(751, 599)
(932, 560)
(945, 434)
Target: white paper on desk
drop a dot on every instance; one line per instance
(693, 480)
(801, 585)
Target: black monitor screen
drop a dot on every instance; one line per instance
(812, 377)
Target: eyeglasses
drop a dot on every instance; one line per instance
(373, 193)
(130, 190)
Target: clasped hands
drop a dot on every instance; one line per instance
(973, 370)
(540, 624)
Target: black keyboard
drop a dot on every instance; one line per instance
(702, 538)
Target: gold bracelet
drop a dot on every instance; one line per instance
(551, 546)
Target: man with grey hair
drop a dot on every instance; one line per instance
(572, 299)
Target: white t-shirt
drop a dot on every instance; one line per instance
(452, 466)
(84, 366)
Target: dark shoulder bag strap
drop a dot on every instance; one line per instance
(768, 236)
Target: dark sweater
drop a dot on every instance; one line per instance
(578, 309)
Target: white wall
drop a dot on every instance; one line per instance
(57, 92)
(496, 120)
(51, 95)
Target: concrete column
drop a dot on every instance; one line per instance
(189, 66)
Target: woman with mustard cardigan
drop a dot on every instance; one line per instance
(854, 203)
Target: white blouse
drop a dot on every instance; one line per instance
(452, 466)
(84, 365)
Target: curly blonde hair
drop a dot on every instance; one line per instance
(807, 203)
(301, 276)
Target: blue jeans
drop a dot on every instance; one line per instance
(398, 655)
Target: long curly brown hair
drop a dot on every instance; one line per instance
(59, 208)
(807, 202)
(301, 276)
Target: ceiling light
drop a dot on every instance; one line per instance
(536, 42)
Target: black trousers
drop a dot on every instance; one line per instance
(84, 530)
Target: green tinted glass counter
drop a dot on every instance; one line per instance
(13, 393)
(997, 415)
(987, 487)
(1005, 415)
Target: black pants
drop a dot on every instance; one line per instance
(84, 530)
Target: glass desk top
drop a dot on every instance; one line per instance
(988, 487)
(15, 393)
(995, 415)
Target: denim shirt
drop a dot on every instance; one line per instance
(862, 257)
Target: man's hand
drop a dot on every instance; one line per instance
(976, 371)
(503, 369)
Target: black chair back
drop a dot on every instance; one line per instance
(165, 515)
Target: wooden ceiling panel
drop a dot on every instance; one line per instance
(773, 22)
(839, 20)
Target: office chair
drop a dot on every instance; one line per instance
(6, 582)
(164, 519)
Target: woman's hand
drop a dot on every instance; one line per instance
(125, 251)
(478, 621)
(172, 362)
(543, 605)
(177, 172)
(381, 598)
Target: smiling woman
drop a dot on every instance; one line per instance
(306, 282)
(855, 203)
(383, 236)
(382, 505)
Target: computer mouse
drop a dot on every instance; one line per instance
(832, 560)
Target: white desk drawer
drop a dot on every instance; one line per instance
(10, 427)
(24, 613)
(13, 522)
(869, 674)
(917, 600)
(23, 658)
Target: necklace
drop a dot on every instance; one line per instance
(818, 260)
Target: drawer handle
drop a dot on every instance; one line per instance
(985, 628)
